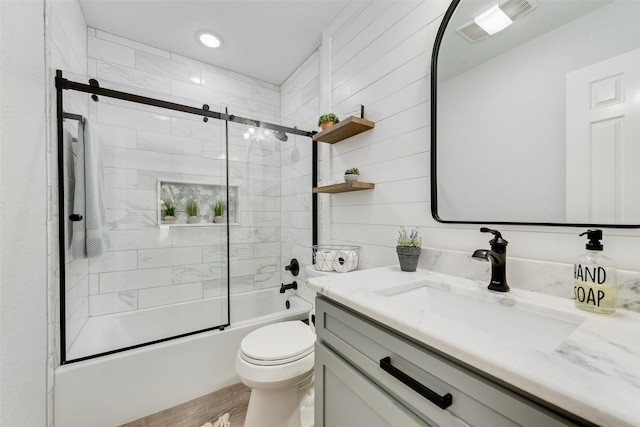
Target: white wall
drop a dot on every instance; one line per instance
(381, 58)
(23, 209)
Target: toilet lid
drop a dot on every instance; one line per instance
(278, 343)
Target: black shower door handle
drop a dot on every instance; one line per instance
(442, 402)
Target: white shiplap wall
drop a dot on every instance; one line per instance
(380, 57)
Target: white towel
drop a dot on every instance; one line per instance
(345, 261)
(324, 260)
(89, 238)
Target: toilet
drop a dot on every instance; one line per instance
(276, 362)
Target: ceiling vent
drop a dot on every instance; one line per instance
(514, 9)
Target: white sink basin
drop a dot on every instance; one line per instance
(499, 316)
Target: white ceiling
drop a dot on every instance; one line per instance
(265, 39)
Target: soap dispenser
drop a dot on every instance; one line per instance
(595, 278)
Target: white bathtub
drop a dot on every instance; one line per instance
(111, 390)
(102, 334)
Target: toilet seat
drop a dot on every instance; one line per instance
(278, 344)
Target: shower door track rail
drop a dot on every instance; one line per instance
(94, 89)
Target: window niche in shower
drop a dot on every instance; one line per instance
(205, 196)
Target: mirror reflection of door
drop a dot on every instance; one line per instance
(603, 124)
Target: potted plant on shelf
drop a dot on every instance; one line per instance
(170, 216)
(327, 120)
(193, 211)
(218, 211)
(351, 175)
(408, 249)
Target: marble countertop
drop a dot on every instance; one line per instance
(594, 372)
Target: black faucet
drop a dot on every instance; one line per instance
(498, 258)
(293, 285)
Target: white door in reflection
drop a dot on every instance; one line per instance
(603, 141)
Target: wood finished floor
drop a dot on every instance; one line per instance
(207, 408)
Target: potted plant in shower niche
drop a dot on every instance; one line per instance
(170, 216)
(218, 211)
(351, 175)
(192, 211)
(408, 249)
(327, 120)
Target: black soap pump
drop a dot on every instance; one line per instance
(595, 278)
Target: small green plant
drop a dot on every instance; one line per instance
(330, 117)
(192, 207)
(171, 207)
(218, 208)
(352, 171)
(409, 240)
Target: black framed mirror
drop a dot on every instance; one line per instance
(537, 123)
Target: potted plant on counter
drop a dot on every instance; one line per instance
(192, 210)
(351, 175)
(170, 216)
(408, 249)
(327, 120)
(218, 211)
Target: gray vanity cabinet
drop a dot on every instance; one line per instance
(368, 375)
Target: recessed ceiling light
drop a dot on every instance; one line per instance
(209, 40)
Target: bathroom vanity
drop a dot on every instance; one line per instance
(396, 348)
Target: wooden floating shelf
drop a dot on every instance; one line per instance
(345, 129)
(344, 187)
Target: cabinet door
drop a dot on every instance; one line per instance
(345, 398)
(475, 399)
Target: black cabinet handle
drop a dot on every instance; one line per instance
(75, 217)
(442, 402)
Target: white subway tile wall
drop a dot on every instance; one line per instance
(146, 266)
(143, 144)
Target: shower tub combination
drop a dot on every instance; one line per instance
(119, 388)
(105, 386)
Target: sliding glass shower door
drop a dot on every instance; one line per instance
(164, 271)
(254, 217)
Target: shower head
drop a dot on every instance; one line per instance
(280, 135)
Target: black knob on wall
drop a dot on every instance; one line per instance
(293, 267)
